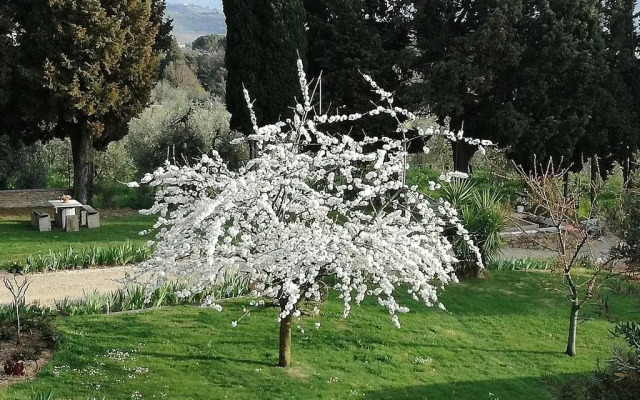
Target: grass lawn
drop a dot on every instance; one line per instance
(499, 339)
(19, 238)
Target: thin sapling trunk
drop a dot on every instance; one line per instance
(18, 291)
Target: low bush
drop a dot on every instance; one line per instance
(618, 379)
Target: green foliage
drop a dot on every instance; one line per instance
(562, 70)
(467, 52)
(42, 395)
(22, 167)
(459, 192)
(348, 38)
(421, 176)
(618, 379)
(84, 69)
(210, 43)
(183, 127)
(628, 230)
(137, 297)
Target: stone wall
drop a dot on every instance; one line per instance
(30, 198)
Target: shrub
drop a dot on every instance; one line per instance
(136, 297)
(619, 379)
(628, 230)
(483, 215)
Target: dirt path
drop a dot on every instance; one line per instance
(45, 288)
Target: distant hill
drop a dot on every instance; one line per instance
(191, 21)
(202, 3)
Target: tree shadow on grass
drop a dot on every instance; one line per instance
(206, 358)
(522, 388)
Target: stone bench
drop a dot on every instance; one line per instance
(89, 217)
(40, 220)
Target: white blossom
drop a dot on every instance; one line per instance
(291, 217)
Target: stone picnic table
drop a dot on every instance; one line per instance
(64, 209)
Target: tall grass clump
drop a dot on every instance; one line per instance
(518, 264)
(90, 257)
(136, 297)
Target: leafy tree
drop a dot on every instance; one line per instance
(85, 69)
(211, 70)
(180, 75)
(214, 44)
(264, 40)
(467, 52)
(172, 54)
(181, 126)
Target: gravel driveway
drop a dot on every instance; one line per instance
(47, 287)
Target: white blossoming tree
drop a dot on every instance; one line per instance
(308, 207)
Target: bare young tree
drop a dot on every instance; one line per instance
(18, 291)
(574, 236)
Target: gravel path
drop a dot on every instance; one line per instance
(47, 287)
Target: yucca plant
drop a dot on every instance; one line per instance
(458, 192)
(483, 214)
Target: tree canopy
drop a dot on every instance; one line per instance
(85, 68)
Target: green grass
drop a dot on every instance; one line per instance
(20, 239)
(500, 338)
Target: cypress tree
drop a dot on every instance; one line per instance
(264, 41)
(348, 38)
(622, 86)
(561, 72)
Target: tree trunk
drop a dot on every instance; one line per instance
(284, 352)
(573, 326)
(17, 309)
(462, 154)
(565, 185)
(253, 149)
(593, 180)
(82, 149)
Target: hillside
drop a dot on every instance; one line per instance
(191, 21)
